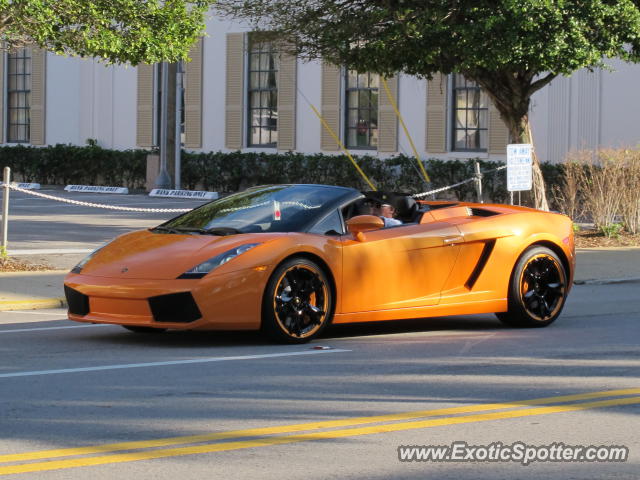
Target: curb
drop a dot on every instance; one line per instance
(608, 281)
(32, 304)
(24, 273)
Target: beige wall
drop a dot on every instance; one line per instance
(85, 99)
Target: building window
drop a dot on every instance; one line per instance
(19, 96)
(263, 94)
(470, 116)
(362, 110)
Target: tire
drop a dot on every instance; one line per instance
(144, 329)
(298, 302)
(537, 289)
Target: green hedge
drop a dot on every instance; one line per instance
(230, 172)
(69, 164)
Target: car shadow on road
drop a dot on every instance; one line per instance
(198, 339)
(180, 339)
(472, 323)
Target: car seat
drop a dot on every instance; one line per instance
(406, 208)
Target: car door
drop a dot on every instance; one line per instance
(399, 267)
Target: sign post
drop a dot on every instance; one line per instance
(519, 167)
(5, 210)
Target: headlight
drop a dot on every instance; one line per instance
(78, 268)
(201, 270)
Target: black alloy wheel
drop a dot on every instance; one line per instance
(298, 302)
(538, 289)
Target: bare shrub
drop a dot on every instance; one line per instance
(567, 194)
(595, 180)
(630, 206)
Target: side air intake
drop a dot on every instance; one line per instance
(482, 262)
(78, 302)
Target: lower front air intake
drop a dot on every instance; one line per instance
(174, 308)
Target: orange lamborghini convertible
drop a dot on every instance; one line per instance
(290, 259)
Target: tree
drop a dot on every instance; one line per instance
(117, 31)
(511, 48)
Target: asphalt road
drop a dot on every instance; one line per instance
(75, 226)
(37, 224)
(67, 386)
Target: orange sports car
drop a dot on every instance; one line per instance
(291, 259)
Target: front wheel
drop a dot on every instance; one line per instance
(297, 303)
(537, 290)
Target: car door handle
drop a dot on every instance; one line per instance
(453, 239)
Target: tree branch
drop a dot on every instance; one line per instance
(538, 84)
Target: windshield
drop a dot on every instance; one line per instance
(281, 208)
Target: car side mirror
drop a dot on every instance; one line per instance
(364, 223)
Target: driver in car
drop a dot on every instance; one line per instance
(387, 213)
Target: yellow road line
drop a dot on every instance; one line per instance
(349, 422)
(163, 442)
(280, 440)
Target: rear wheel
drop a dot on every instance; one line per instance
(537, 290)
(297, 303)
(144, 329)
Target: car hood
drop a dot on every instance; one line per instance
(160, 256)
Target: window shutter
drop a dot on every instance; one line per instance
(234, 91)
(3, 92)
(193, 97)
(38, 88)
(387, 118)
(287, 92)
(498, 132)
(437, 114)
(144, 108)
(331, 84)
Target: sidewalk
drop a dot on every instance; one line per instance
(31, 290)
(607, 265)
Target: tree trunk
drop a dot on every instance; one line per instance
(539, 188)
(520, 131)
(511, 95)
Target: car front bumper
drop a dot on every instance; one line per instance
(215, 302)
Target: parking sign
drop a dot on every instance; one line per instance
(519, 167)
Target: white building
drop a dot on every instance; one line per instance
(239, 97)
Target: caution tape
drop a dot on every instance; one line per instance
(449, 187)
(404, 127)
(97, 205)
(494, 169)
(438, 190)
(183, 210)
